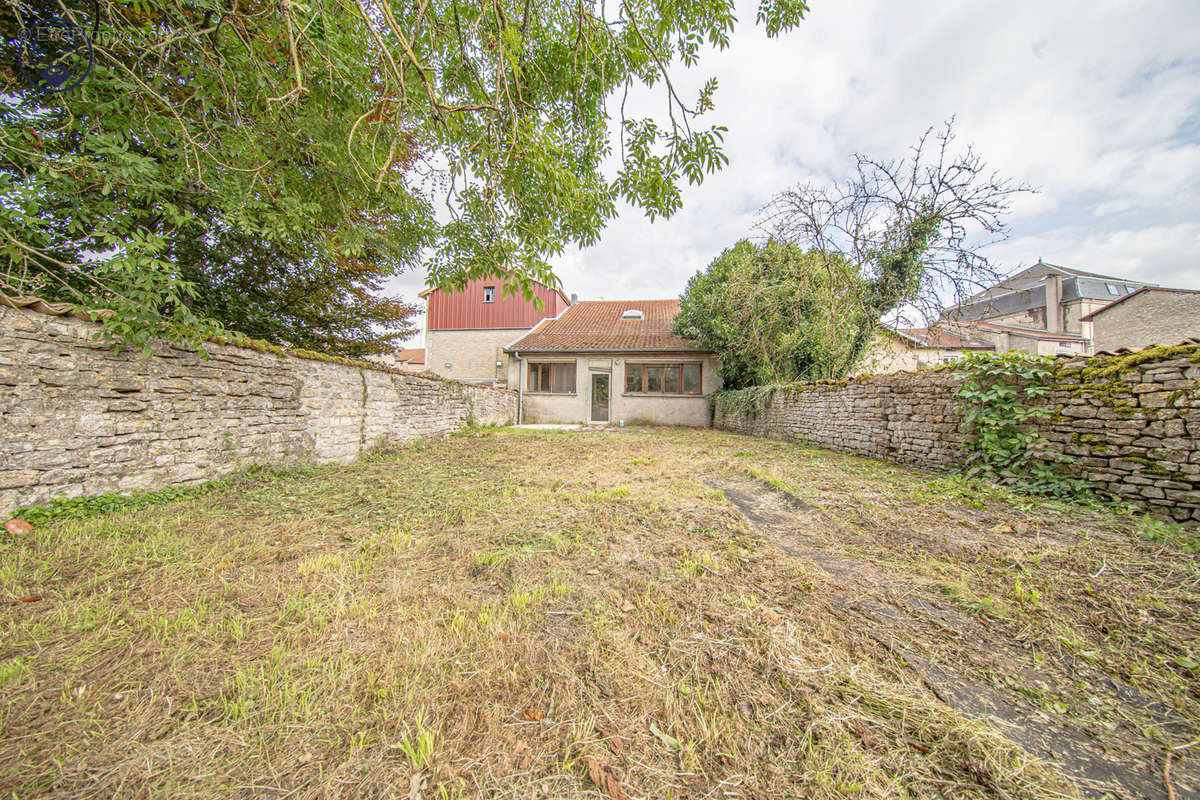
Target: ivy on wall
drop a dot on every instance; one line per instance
(1000, 399)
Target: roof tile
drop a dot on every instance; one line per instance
(596, 325)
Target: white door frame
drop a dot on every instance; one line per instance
(591, 388)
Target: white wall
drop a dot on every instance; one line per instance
(544, 407)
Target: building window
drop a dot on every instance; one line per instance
(663, 378)
(552, 378)
(1113, 289)
(489, 294)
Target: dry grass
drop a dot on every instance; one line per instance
(515, 613)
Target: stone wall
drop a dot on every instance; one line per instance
(1131, 422)
(77, 418)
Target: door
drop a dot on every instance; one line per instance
(599, 397)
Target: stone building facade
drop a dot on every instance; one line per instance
(1146, 317)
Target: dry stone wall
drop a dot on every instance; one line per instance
(77, 418)
(1130, 422)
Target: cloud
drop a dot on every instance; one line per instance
(1097, 103)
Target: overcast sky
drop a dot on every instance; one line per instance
(1097, 103)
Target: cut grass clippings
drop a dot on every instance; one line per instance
(525, 614)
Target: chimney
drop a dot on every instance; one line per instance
(574, 298)
(1053, 303)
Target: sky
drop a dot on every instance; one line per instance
(1095, 103)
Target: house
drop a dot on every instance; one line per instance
(465, 332)
(1028, 340)
(1044, 297)
(612, 361)
(411, 360)
(899, 349)
(902, 349)
(1049, 309)
(1150, 315)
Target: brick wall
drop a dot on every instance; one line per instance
(77, 418)
(1134, 433)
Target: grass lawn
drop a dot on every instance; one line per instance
(658, 613)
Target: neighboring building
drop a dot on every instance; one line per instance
(1054, 310)
(1043, 297)
(465, 332)
(903, 349)
(1027, 340)
(899, 349)
(612, 361)
(1150, 315)
(412, 360)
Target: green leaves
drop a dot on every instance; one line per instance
(475, 139)
(999, 397)
(778, 313)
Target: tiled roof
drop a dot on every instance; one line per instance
(415, 356)
(596, 325)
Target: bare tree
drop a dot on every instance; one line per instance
(913, 226)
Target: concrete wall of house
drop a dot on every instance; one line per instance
(1135, 435)
(77, 418)
(889, 354)
(1075, 309)
(1044, 347)
(544, 407)
(1146, 319)
(472, 354)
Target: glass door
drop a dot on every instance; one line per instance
(599, 397)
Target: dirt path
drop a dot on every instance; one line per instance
(917, 625)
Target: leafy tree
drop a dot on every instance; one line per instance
(469, 136)
(896, 236)
(917, 225)
(289, 293)
(775, 312)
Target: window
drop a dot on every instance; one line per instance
(632, 313)
(553, 378)
(489, 294)
(1113, 289)
(663, 378)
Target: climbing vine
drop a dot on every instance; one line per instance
(744, 404)
(1000, 399)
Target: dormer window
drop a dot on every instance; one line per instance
(1113, 289)
(632, 313)
(489, 294)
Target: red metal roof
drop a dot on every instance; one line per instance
(466, 310)
(596, 325)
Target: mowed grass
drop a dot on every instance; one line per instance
(544, 614)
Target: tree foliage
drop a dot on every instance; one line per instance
(775, 312)
(919, 224)
(471, 137)
(838, 258)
